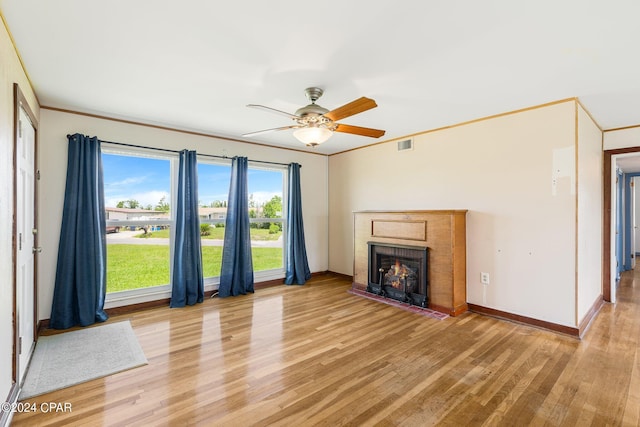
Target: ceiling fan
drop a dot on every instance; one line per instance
(315, 124)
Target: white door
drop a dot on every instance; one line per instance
(26, 242)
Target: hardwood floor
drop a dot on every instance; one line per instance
(316, 355)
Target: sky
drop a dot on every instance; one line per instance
(147, 180)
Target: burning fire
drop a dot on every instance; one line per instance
(397, 268)
(398, 274)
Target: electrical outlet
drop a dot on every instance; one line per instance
(484, 278)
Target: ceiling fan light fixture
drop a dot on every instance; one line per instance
(315, 124)
(313, 135)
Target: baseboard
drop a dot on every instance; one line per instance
(358, 286)
(341, 276)
(453, 312)
(591, 314)
(12, 399)
(277, 282)
(530, 321)
(164, 302)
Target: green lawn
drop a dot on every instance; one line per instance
(142, 266)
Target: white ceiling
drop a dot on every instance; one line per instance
(195, 64)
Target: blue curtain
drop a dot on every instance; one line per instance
(80, 284)
(297, 266)
(187, 281)
(236, 275)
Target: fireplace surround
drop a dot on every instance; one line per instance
(443, 232)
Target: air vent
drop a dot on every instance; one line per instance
(405, 144)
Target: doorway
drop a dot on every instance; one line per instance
(621, 167)
(25, 235)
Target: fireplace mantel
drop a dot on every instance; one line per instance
(442, 231)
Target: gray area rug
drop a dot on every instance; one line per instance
(70, 358)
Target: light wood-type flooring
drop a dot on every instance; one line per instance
(316, 355)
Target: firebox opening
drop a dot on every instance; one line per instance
(399, 272)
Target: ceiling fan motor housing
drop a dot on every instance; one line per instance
(313, 93)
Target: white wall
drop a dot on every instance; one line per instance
(622, 138)
(56, 125)
(590, 208)
(520, 226)
(10, 72)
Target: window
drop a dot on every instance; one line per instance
(138, 199)
(266, 217)
(213, 190)
(265, 188)
(137, 202)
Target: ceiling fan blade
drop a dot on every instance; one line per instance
(353, 107)
(273, 110)
(357, 130)
(246, 135)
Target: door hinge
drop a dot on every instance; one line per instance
(38, 175)
(19, 128)
(19, 241)
(20, 345)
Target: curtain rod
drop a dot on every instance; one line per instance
(166, 150)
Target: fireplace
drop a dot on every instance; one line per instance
(443, 232)
(399, 272)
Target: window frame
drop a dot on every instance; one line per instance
(262, 275)
(150, 293)
(274, 274)
(153, 293)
